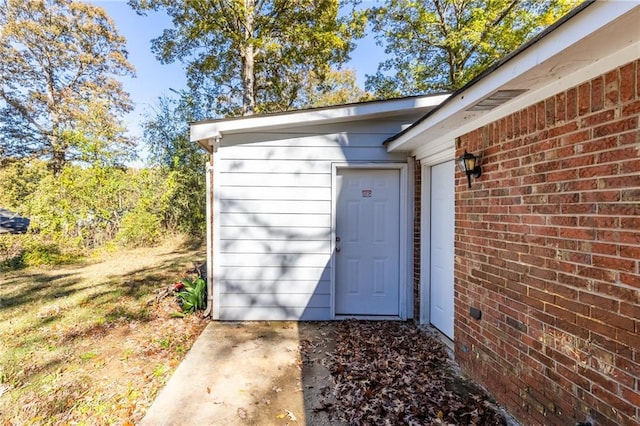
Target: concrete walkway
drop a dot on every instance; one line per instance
(249, 373)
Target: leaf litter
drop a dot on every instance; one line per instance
(390, 372)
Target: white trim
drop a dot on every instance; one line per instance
(216, 235)
(411, 214)
(202, 131)
(621, 57)
(209, 179)
(405, 241)
(425, 232)
(431, 155)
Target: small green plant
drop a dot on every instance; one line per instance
(160, 370)
(193, 295)
(88, 355)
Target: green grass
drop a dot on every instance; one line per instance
(84, 344)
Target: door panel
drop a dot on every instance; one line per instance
(442, 248)
(367, 242)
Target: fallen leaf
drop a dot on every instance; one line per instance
(387, 372)
(242, 413)
(291, 416)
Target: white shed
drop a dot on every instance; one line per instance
(309, 216)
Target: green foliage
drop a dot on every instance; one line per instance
(11, 252)
(19, 179)
(38, 253)
(59, 100)
(20, 251)
(338, 87)
(139, 228)
(185, 200)
(166, 132)
(440, 45)
(84, 208)
(253, 56)
(193, 296)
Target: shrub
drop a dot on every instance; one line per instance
(11, 252)
(84, 208)
(19, 251)
(139, 228)
(42, 252)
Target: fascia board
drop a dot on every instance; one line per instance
(445, 139)
(536, 61)
(203, 131)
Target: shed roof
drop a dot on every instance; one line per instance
(206, 132)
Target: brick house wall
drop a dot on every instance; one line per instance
(547, 246)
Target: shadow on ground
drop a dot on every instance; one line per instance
(247, 373)
(286, 373)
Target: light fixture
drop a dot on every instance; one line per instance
(469, 164)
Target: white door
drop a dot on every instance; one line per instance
(441, 250)
(367, 246)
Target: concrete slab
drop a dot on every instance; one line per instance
(249, 373)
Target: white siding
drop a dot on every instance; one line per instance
(274, 217)
(285, 233)
(271, 179)
(276, 193)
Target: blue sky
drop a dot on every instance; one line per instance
(154, 79)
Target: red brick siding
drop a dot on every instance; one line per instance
(548, 248)
(417, 196)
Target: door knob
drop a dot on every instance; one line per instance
(337, 249)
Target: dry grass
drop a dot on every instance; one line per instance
(87, 344)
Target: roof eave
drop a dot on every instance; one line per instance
(205, 132)
(552, 44)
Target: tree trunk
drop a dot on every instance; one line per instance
(58, 147)
(58, 160)
(248, 76)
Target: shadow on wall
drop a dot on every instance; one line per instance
(272, 271)
(274, 217)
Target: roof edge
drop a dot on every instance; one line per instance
(211, 129)
(498, 64)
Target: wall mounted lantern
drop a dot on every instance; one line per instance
(469, 164)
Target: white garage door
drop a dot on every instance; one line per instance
(441, 250)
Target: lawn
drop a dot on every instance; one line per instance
(89, 343)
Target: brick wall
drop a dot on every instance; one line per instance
(417, 196)
(548, 248)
